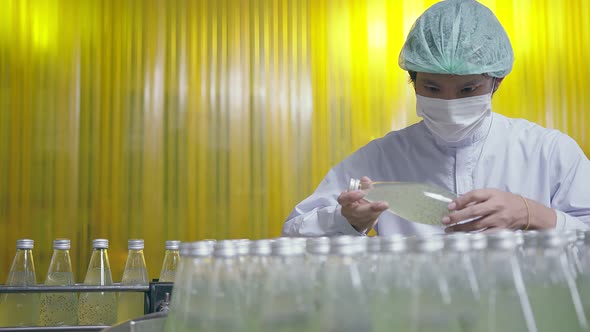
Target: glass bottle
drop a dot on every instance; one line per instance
(21, 309)
(505, 304)
(190, 286)
(392, 292)
(583, 280)
(59, 309)
(431, 304)
(419, 202)
(317, 249)
(215, 299)
(286, 303)
(255, 273)
(131, 304)
(368, 264)
(462, 280)
(171, 261)
(98, 308)
(343, 303)
(551, 286)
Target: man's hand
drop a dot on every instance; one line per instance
(361, 214)
(496, 209)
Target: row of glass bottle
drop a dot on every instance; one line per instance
(90, 308)
(462, 282)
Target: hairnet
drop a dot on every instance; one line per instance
(460, 37)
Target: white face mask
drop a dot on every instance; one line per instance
(455, 119)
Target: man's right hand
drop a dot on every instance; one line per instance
(361, 214)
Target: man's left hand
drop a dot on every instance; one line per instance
(490, 209)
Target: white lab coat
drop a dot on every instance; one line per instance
(513, 155)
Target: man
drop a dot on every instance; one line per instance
(508, 173)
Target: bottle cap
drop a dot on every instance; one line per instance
(24, 244)
(346, 245)
(100, 244)
(61, 244)
(225, 248)
(581, 235)
(479, 241)
(318, 245)
(553, 239)
(393, 243)
(354, 184)
(502, 240)
(571, 236)
(531, 238)
(242, 246)
(285, 246)
(457, 242)
(172, 245)
(373, 244)
(196, 249)
(426, 244)
(135, 244)
(260, 247)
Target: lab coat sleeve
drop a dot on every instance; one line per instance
(570, 172)
(319, 214)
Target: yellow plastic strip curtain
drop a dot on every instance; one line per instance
(182, 119)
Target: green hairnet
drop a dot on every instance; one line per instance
(460, 37)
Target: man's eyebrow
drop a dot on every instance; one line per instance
(427, 81)
(473, 82)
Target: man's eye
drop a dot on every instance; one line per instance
(468, 90)
(432, 88)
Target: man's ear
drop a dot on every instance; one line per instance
(498, 82)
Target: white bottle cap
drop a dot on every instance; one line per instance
(172, 245)
(100, 244)
(135, 244)
(24, 244)
(61, 244)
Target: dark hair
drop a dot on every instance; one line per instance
(412, 76)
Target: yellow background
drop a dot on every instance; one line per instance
(193, 119)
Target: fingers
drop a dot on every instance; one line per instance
(350, 197)
(363, 216)
(470, 226)
(366, 183)
(364, 210)
(474, 196)
(469, 212)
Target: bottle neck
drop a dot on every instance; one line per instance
(135, 269)
(60, 261)
(99, 259)
(22, 271)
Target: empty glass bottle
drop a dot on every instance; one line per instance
(255, 273)
(98, 308)
(583, 280)
(171, 261)
(343, 303)
(419, 202)
(462, 280)
(21, 309)
(505, 304)
(190, 287)
(431, 303)
(392, 292)
(131, 304)
(551, 286)
(286, 302)
(59, 309)
(219, 308)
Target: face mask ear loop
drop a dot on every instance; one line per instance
(493, 87)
